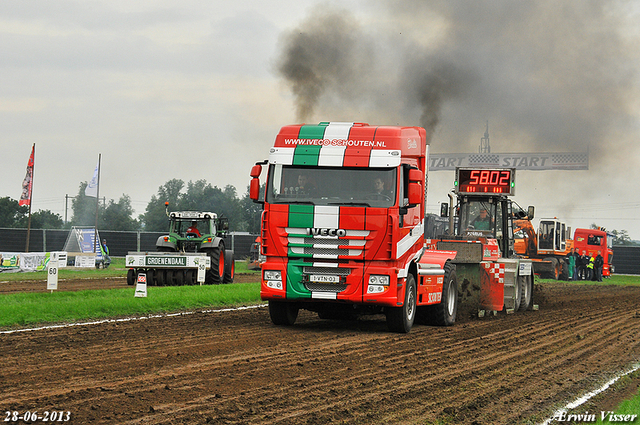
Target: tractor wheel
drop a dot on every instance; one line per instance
(520, 282)
(215, 275)
(131, 277)
(526, 293)
(229, 267)
(400, 319)
(283, 313)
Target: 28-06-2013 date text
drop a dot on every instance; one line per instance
(31, 417)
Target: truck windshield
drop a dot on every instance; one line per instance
(477, 216)
(375, 187)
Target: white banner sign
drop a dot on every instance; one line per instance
(519, 161)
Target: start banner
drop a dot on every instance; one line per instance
(519, 161)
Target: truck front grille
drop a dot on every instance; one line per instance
(325, 287)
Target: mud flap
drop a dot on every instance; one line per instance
(491, 286)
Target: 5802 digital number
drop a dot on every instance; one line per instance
(53, 416)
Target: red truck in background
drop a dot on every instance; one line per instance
(592, 242)
(342, 229)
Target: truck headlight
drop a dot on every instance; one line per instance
(377, 284)
(273, 279)
(273, 275)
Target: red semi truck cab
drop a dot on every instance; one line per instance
(342, 228)
(592, 242)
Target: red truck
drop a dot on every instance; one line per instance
(592, 242)
(342, 229)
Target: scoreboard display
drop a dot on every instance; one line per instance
(501, 181)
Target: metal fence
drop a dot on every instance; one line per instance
(626, 259)
(119, 243)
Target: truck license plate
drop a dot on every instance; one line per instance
(324, 278)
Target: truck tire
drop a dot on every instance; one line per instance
(283, 313)
(229, 266)
(564, 269)
(555, 268)
(400, 319)
(443, 314)
(526, 294)
(215, 275)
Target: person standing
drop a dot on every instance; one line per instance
(598, 263)
(571, 261)
(590, 265)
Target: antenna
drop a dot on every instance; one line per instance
(484, 142)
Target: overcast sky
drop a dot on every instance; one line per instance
(198, 90)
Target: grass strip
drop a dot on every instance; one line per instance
(22, 309)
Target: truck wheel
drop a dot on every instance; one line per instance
(229, 266)
(526, 294)
(555, 268)
(283, 313)
(131, 277)
(400, 319)
(444, 314)
(564, 272)
(215, 275)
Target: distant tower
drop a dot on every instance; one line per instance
(484, 142)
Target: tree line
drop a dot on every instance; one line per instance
(242, 212)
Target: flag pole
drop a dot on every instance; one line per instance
(33, 172)
(95, 235)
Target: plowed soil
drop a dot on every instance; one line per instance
(235, 367)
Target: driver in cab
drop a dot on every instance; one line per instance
(378, 189)
(482, 221)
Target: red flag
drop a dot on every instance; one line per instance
(25, 197)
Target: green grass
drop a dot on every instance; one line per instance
(627, 407)
(29, 309)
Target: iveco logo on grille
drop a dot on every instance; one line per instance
(317, 231)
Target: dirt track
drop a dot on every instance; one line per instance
(237, 368)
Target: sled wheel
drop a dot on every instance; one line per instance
(131, 277)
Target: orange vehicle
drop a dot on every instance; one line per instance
(592, 241)
(548, 248)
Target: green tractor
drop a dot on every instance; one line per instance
(197, 232)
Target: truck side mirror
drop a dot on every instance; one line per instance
(415, 192)
(254, 186)
(444, 209)
(414, 189)
(254, 189)
(256, 170)
(530, 212)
